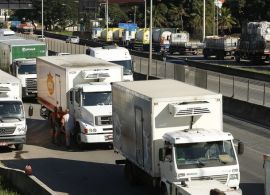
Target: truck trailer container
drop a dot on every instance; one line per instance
(181, 43)
(12, 115)
(219, 46)
(80, 83)
(172, 133)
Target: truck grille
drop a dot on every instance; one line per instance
(103, 120)
(7, 130)
(31, 84)
(221, 178)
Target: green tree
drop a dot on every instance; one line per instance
(176, 14)
(159, 15)
(226, 20)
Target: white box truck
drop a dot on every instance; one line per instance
(117, 55)
(173, 132)
(82, 84)
(12, 116)
(266, 166)
(14, 55)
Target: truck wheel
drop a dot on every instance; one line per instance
(163, 190)
(129, 174)
(237, 58)
(18, 146)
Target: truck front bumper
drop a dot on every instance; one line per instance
(96, 138)
(14, 139)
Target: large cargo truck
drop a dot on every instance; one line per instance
(161, 38)
(14, 53)
(254, 43)
(106, 35)
(12, 115)
(172, 133)
(80, 83)
(117, 55)
(266, 166)
(181, 43)
(142, 40)
(219, 46)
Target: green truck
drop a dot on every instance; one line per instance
(18, 57)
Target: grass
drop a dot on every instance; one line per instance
(6, 188)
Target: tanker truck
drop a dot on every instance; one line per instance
(83, 84)
(141, 41)
(219, 46)
(181, 43)
(106, 35)
(161, 38)
(254, 43)
(172, 133)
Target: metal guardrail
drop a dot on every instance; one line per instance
(249, 87)
(237, 87)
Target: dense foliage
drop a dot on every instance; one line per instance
(185, 14)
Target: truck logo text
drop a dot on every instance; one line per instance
(50, 84)
(28, 49)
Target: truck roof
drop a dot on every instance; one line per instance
(76, 61)
(166, 88)
(7, 78)
(22, 42)
(111, 53)
(196, 135)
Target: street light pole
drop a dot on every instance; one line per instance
(145, 14)
(150, 41)
(203, 20)
(107, 18)
(42, 20)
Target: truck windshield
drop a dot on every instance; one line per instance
(27, 69)
(11, 109)
(97, 98)
(204, 154)
(127, 64)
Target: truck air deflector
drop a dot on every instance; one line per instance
(189, 108)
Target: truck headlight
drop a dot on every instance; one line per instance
(22, 129)
(233, 176)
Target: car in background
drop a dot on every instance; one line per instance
(41, 37)
(62, 54)
(6, 32)
(73, 39)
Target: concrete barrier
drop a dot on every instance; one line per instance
(25, 184)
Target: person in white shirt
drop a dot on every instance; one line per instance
(68, 125)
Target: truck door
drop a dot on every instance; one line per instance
(58, 90)
(139, 136)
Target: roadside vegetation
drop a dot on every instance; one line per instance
(6, 188)
(186, 15)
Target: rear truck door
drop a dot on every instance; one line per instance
(139, 135)
(58, 90)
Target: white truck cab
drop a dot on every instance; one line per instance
(117, 55)
(25, 70)
(12, 117)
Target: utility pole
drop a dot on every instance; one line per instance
(150, 41)
(42, 19)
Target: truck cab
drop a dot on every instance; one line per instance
(12, 116)
(25, 70)
(117, 55)
(198, 154)
(92, 105)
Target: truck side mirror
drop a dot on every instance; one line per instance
(241, 148)
(30, 110)
(160, 153)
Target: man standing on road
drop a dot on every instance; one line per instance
(68, 125)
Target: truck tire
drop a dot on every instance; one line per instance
(237, 58)
(18, 146)
(77, 138)
(163, 190)
(129, 173)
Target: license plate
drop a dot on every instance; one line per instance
(3, 144)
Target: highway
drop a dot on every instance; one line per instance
(93, 170)
(90, 170)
